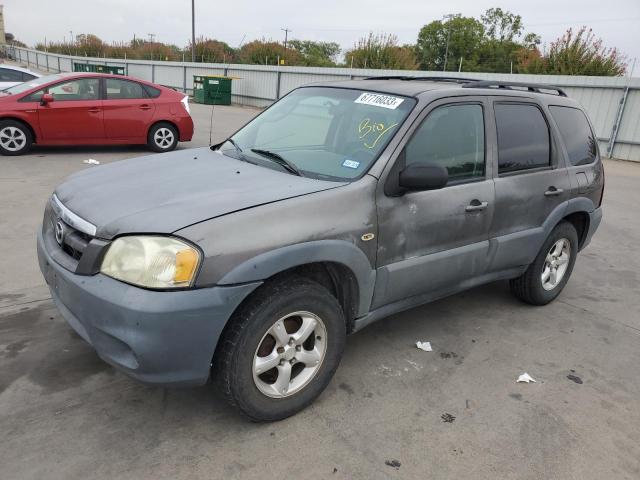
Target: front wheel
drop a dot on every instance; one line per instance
(15, 138)
(163, 137)
(550, 271)
(281, 349)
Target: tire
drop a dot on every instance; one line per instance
(531, 286)
(15, 138)
(162, 137)
(247, 339)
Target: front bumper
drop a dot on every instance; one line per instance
(166, 338)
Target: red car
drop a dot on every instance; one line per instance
(92, 109)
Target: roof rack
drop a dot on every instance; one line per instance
(537, 88)
(426, 79)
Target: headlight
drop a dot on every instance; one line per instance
(151, 261)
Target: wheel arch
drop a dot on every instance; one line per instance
(25, 123)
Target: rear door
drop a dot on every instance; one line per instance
(531, 182)
(75, 113)
(127, 110)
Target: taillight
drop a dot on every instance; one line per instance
(185, 103)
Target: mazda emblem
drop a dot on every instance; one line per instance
(59, 231)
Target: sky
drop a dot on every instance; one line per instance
(617, 22)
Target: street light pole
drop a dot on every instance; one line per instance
(193, 30)
(446, 50)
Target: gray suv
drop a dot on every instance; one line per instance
(249, 262)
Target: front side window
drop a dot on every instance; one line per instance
(123, 89)
(452, 136)
(328, 133)
(80, 89)
(523, 137)
(576, 134)
(23, 87)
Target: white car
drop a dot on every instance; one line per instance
(11, 75)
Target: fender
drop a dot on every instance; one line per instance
(345, 253)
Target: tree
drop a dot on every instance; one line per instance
(501, 25)
(381, 51)
(316, 54)
(210, 50)
(575, 53)
(464, 35)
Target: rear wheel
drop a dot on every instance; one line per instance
(281, 349)
(163, 137)
(550, 271)
(15, 138)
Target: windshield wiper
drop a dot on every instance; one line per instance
(284, 163)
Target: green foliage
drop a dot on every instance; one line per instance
(501, 25)
(210, 50)
(267, 52)
(381, 51)
(316, 54)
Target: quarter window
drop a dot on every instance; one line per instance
(523, 137)
(452, 136)
(122, 89)
(80, 89)
(576, 133)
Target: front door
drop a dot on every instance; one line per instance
(431, 241)
(75, 113)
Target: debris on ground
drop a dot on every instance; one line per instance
(426, 346)
(447, 418)
(393, 463)
(91, 161)
(448, 355)
(525, 378)
(575, 378)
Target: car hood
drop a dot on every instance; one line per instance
(163, 193)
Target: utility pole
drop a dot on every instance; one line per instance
(151, 37)
(193, 30)
(286, 36)
(71, 33)
(446, 50)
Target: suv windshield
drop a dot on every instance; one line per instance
(322, 132)
(29, 84)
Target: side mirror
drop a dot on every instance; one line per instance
(46, 98)
(423, 177)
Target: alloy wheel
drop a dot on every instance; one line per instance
(556, 264)
(289, 354)
(12, 139)
(163, 137)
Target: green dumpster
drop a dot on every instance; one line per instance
(88, 67)
(212, 89)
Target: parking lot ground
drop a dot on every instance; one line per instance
(456, 412)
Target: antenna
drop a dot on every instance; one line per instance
(226, 66)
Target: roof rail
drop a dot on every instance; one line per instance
(531, 87)
(426, 79)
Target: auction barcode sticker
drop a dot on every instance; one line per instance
(377, 100)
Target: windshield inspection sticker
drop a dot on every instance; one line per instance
(350, 164)
(377, 100)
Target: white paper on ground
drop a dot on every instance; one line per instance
(426, 346)
(91, 161)
(526, 378)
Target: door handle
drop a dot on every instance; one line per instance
(145, 107)
(94, 110)
(476, 206)
(553, 191)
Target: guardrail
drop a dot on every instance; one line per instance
(613, 103)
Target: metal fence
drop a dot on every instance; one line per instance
(613, 103)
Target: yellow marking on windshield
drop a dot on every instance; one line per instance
(377, 131)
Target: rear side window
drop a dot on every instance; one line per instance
(7, 75)
(452, 136)
(123, 89)
(523, 137)
(576, 133)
